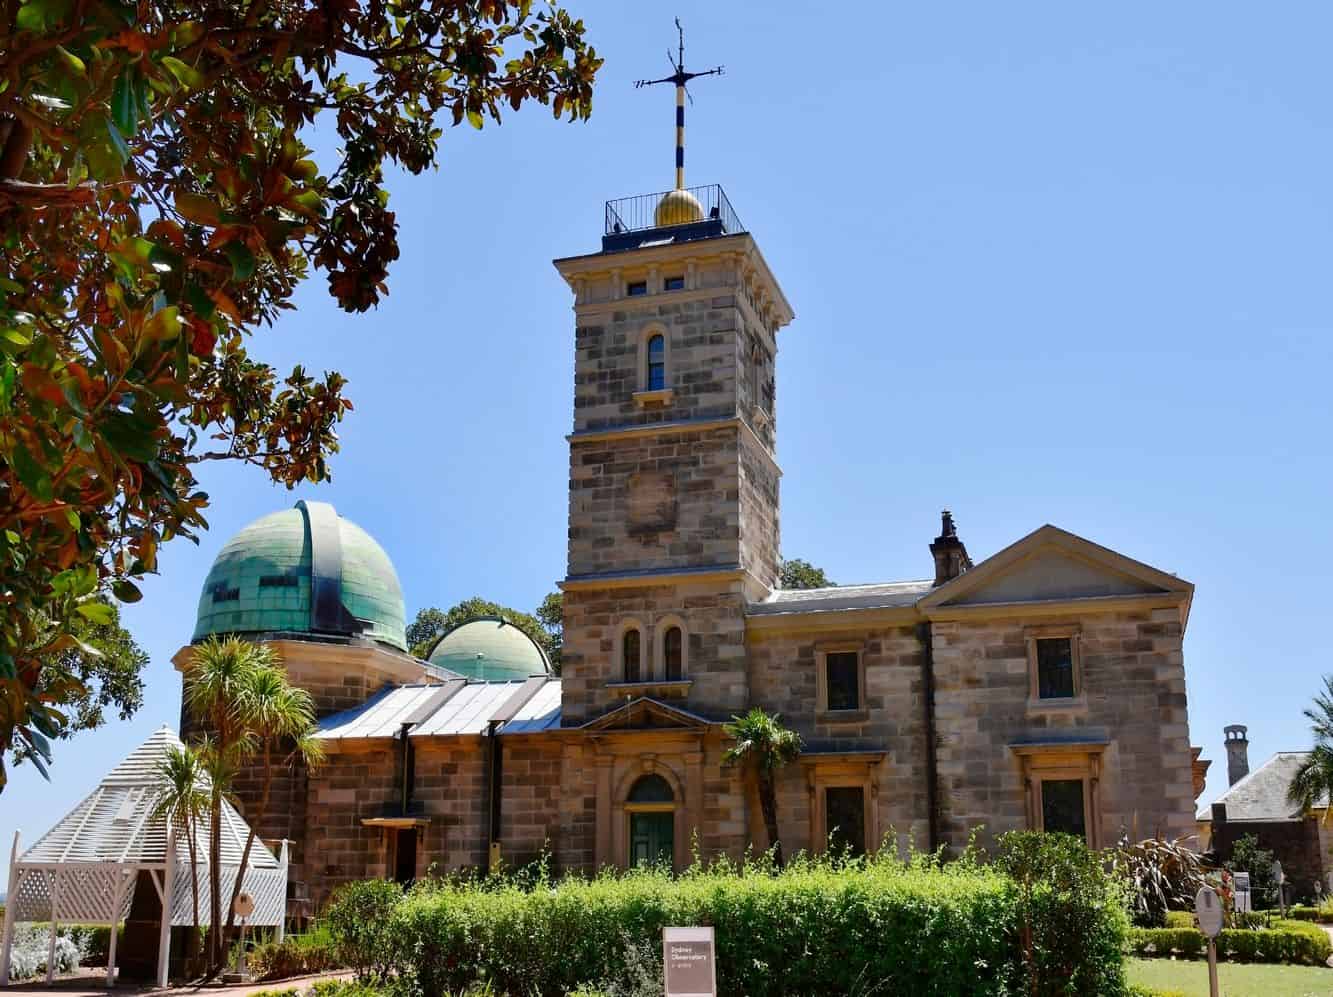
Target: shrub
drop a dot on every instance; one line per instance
(1071, 912)
(1247, 856)
(295, 955)
(31, 944)
(1287, 941)
(880, 925)
(1179, 919)
(359, 918)
(1158, 875)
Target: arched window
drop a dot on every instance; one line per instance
(672, 654)
(650, 789)
(630, 651)
(656, 363)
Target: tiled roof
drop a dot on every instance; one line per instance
(881, 595)
(452, 708)
(1262, 795)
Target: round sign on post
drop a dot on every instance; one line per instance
(244, 906)
(1208, 909)
(1279, 876)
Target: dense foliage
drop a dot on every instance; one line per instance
(1065, 895)
(875, 926)
(761, 745)
(295, 955)
(1247, 856)
(1312, 784)
(1159, 875)
(158, 202)
(795, 573)
(360, 920)
(107, 667)
(1285, 941)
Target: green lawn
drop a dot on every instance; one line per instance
(1234, 979)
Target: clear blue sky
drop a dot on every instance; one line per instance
(1050, 263)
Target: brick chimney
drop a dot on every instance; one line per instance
(1238, 752)
(950, 555)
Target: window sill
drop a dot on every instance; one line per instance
(842, 716)
(672, 687)
(662, 396)
(1076, 704)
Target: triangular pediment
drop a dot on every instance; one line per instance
(647, 714)
(1053, 565)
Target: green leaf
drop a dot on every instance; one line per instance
(72, 518)
(187, 76)
(125, 103)
(200, 303)
(98, 612)
(17, 337)
(34, 477)
(72, 60)
(242, 260)
(117, 140)
(38, 16)
(126, 591)
(474, 119)
(7, 669)
(130, 436)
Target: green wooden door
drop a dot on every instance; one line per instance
(651, 838)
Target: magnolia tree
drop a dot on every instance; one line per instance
(158, 203)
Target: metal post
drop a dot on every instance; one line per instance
(55, 920)
(164, 933)
(1212, 967)
(11, 901)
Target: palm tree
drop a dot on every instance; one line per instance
(274, 713)
(1312, 784)
(215, 684)
(182, 800)
(762, 745)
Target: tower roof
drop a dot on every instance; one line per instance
(490, 649)
(304, 570)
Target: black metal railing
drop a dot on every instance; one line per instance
(639, 213)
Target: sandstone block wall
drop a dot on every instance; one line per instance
(783, 680)
(1134, 681)
(714, 617)
(663, 501)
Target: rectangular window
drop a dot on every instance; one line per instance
(674, 284)
(656, 363)
(222, 593)
(842, 675)
(1055, 667)
(1062, 807)
(278, 581)
(845, 818)
(636, 288)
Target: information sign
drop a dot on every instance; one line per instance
(688, 957)
(1208, 909)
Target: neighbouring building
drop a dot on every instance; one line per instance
(1255, 803)
(1041, 687)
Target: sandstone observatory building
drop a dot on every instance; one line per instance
(1043, 687)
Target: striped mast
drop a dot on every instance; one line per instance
(680, 77)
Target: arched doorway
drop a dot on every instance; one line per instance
(651, 810)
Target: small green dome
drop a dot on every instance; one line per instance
(303, 570)
(489, 649)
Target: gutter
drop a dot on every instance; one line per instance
(932, 775)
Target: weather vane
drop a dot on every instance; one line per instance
(680, 78)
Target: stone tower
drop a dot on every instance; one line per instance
(673, 482)
(1238, 752)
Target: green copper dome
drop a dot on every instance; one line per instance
(489, 649)
(303, 570)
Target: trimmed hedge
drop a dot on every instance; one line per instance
(1300, 912)
(817, 927)
(1286, 941)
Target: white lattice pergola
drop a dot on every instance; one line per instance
(84, 869)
